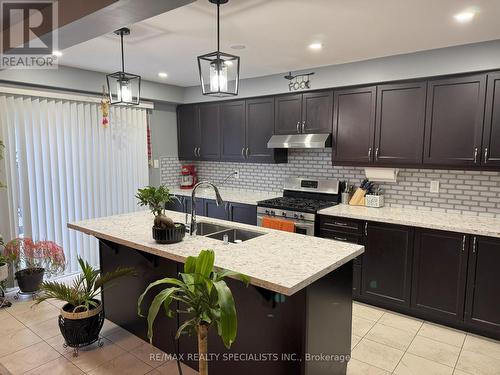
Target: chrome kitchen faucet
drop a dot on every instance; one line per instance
(218, 201)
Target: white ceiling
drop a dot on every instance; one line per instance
(277, 33)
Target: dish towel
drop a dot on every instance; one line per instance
(279, 224)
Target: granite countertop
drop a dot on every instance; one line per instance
(468, 224)
(279, 261)
(228, 195)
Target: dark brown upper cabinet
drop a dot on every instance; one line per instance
(259, 129)
(483, 284)
(399, 128)
(307, 113)
(491, 136)
(454, 121)
(233, 130)
(439, 273)
(208, 118)
(288, 115)
(386, 269)
(188, 132)
(353, 126)
(317, 108)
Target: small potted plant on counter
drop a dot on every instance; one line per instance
(202, 294)
(82, 316)
(165, 231)
(33, 260)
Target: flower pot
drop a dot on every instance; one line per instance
(4, 271)
(81, 327)
(30, 279)
(169, 235)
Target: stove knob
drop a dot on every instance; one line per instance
(295, 216)
(283, 214)
(267, 212)
(301, 217)
(273, 213)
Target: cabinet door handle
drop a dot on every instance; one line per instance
(340, 238)
(475, 155)
(366, 228)
(370, 153)
(463, 244)
(243, 152)
(486, 155)
(199, 148)
(194, 151)
(303, 126)
(474, 245)
(246, 153)
(376, 153)
(298, 126)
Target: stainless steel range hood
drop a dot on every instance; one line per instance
(300, 141)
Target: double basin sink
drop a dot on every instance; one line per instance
(218, 232)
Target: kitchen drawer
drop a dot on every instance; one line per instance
(341, 224)
(344, 237)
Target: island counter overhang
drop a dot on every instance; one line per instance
(298, 308)
(278, 261)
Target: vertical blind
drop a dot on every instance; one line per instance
(62, 165)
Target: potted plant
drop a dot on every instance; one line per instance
(82, 316)
(33, 260)
(4, 266)
(165, 231)
(204, 296)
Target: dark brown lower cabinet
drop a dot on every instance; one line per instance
(483, 285)
(216, 212)
(243, 213)
(386, 269)
(439, 273)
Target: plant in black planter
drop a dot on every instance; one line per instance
(33, 260)
(164, 229)
(82, 316)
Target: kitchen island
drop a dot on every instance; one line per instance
(293, 318)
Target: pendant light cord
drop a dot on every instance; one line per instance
(123, 58)
(218, 27)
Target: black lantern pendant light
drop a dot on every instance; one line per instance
(219, 71)
(124, 88)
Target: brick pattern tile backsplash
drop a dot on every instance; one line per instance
(467, 192)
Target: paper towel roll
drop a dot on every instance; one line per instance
(382, 174)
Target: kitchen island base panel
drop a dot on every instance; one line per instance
(308, 333)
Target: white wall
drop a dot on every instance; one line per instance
(163, 125)
(466, 58)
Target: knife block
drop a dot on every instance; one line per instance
(358, 199)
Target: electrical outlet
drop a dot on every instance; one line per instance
(434, 187)
(237, 174)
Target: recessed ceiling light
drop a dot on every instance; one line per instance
(315, 46)
(162, 75)
(57, 53)
(238, 46)
(464, 17)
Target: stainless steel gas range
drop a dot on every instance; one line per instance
(302, 199)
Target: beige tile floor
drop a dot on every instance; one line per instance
(383, 342)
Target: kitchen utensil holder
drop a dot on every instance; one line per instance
(374, 200)
(345, 198)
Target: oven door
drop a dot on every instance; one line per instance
(301, 227)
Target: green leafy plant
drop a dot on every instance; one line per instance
(156, 199)
(85, 288)
(204, 296)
